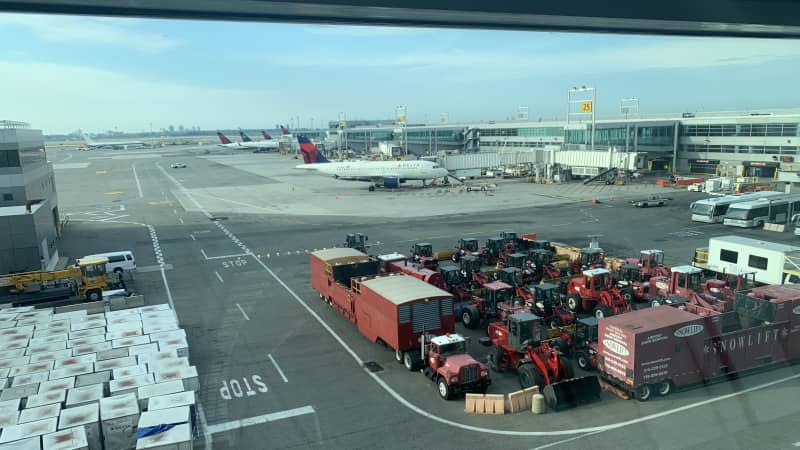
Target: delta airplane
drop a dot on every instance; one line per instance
(249, 144)
(389, 174)
(113, 145)
(266, 145)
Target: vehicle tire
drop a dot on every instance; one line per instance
(398, 356)
(643, 393)
(372, 188)
(583, 361)
(94, 295)
(568, 369)
(457, 311)
(602, 311)
(443, 388)
(660, 203)
(627, 295)
(118, 270)
(554, 322)
(469, 189)
(527, 376)
(470, 317)
(664, 388)
(574, 303)
(495, 359)
(411, 360)
(655, 302)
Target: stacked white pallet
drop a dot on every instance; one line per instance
(75, 380)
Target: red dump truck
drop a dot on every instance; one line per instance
(394, 310)
(651, 351)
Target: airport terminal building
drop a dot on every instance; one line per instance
(753, 143)
(29, 217)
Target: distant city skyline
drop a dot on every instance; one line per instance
(64, 73)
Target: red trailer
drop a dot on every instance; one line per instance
(395, 310)
(654, 350)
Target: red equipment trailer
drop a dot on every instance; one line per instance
(657, 349)
(395, 310)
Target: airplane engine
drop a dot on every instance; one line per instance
(391, 182)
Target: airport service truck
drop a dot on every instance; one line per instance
(410, 316)
(652, 351)
(772, 263)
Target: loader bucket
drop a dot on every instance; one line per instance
(570, 393)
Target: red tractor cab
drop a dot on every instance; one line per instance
(452, 368)
(546, 303)
(520, 343)
(357, 241)
(485, 306)
(542, 264)
(511, 276)
(494, 246)
(652, 263)
(593, 292)
(422, 253)
(466, 247)
(510, 239)
(589, 258)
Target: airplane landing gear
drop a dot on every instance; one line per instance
(371, 187)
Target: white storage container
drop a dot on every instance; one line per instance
(86, 417)
(152, 358)
(119, 416)
(178, 344)
(158, 389)
(11, 354)
(127, 372)
(51, 356)
(26, 430)
(56, 337)
(130, 341)
(185, 398)
(187, 374)
(32, 443)
(57, 396)
(78, 334)
(143, 349)
(82, 359)
(31, 378)
(78, 342)
(129, 385)
(70, 439)
(165, 365)
(17, 392)
(55, 385)
(49, 347)
(174, 416)
(8, 417)
(72, 371)
(115, 363)
(86, 394)
(42, 366)
(15, 362)
(39, 413)
(123, 333)
(91, 348)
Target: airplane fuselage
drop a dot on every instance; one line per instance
(376, 170)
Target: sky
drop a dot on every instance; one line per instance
(62, 73)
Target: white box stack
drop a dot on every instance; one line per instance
(75, 380)
(86, 417)
(119, 416)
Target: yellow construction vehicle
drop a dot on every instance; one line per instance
(86, 280)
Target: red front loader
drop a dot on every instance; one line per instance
(520, 343)
(593, 292)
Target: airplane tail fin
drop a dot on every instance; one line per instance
(224, 139)
(245, 138)
(284, 130)
(266, 135)
(310, 153)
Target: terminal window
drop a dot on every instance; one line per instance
(8, 197)
(9, 158)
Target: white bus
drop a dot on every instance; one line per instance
(712, 210)
(756, 213)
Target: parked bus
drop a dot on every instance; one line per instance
(756, 213)
(712, 210)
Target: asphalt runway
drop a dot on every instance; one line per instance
(279, 369)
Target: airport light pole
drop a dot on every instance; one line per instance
(586, 97)
(400, 111)
(625, 106)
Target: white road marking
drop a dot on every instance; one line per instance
(564, 441)
(208, 441)
(258, 420)
(219, 277)
(246, 317)
(239, 255)
(112, 218)
(796, 444)
(138, 184)
(204, 254)
(175, 211)
(192, 236)
(180, 219)
(400, 399)
(153, 268)
(277, 367)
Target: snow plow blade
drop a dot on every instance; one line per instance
(571, 393)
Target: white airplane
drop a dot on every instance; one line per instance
(113, 145)
(250, 144)
(261, 146)
(389, 174)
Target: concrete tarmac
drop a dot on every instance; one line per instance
(279, 369)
